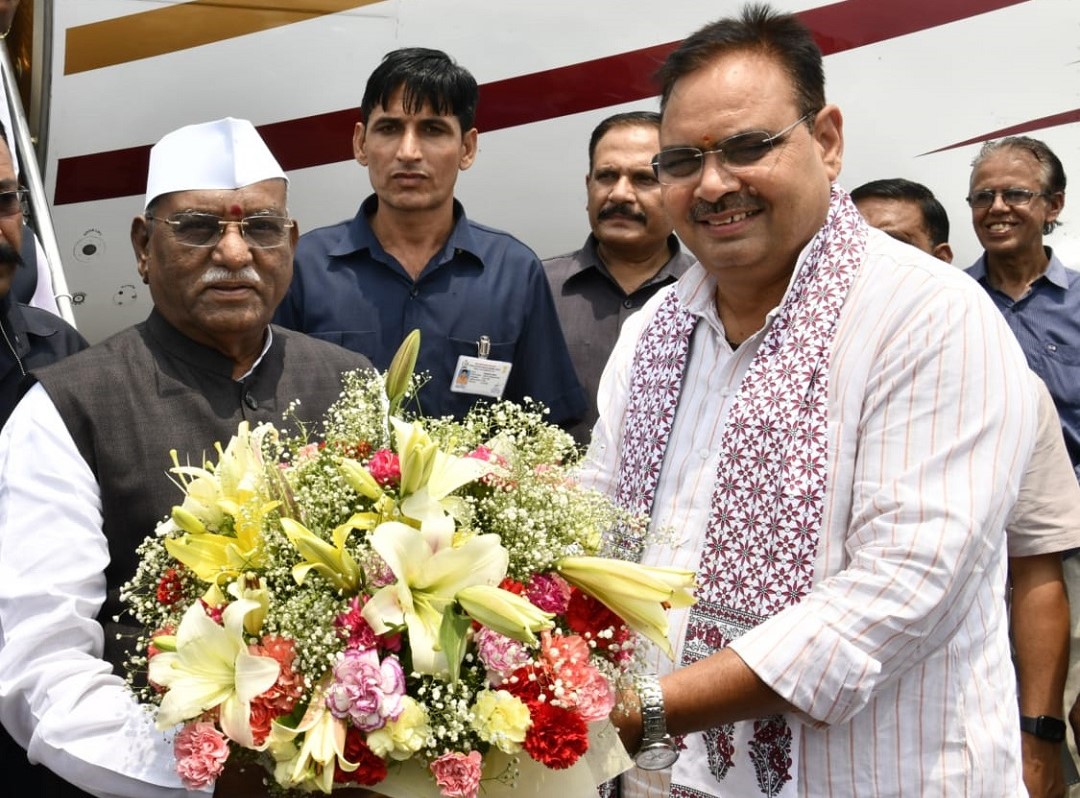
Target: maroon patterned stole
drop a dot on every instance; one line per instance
(767, 504)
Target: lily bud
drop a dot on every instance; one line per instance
(401, 370)
(360, 479)
(504, 612)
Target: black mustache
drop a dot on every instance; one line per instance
(9, 256)
(701, 208)
(621, 209)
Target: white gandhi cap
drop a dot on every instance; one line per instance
(224, 154)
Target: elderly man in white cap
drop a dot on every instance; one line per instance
(83, 458)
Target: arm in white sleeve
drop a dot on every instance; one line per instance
(58, 697)
(947, 420)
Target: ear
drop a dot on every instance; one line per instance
(358, 144)
(294, 234)
(140, 242)
(1055, 203)
(942, 252)
(829, 136)
(468, 149)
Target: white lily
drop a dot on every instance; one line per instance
(311, 764)
(636, 593)
(211, 667)
(429, 475)
(504, 612)
(428, 579)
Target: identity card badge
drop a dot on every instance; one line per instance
(479, 375)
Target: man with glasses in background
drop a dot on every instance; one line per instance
(1016, 194)
(829, 427)
(84, 457)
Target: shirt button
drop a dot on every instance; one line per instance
(628, 303)
(704, 454)
(251, 402)
(415, 292)
(1051, 347)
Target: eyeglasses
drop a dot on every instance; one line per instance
(13, 202)
(680, 165)
(206, 229)
(1010, 196)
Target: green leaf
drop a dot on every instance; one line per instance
(453, 636)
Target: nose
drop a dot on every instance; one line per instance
(623, 190)
(716, 179)
(409, 146)
(998, 205)
(232, 251)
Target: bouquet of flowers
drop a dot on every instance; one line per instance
(411, 605)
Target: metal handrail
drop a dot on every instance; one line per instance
(32, 175)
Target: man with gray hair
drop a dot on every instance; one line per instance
(84, 456)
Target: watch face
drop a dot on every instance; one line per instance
(656, 756)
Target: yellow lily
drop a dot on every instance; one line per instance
(311, 764)
(636, 593)
(231, 488)
(429, 578)
(331, 561)
(504, 612)
(360, 479)
(212, 667)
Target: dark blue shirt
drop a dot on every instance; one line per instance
(1046, 321)
(347, 289)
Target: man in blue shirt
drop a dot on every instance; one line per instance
(410, 259)
(1017, 192)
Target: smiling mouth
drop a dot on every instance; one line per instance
(738, 217)
(999, 227)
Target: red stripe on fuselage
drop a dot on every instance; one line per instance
(526, 99)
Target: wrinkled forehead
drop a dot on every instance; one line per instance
(264, 196)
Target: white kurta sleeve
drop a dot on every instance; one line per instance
(58, 697)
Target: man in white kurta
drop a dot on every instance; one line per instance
(884, 669)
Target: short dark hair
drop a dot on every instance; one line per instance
(429, 77)
(935, 219)
(627, 119)
(1053, 177)
(758, 29)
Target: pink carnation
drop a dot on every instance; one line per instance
(549, 592)
(501, 655)
(366, 691)
(352, 627)
(385, 468)
(201, 751)
(593, 697)
(457, 774)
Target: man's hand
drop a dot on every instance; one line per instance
(626, 716)
(250, 781)
(1043, 775)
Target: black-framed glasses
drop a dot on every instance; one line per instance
(680, 165)
(206, 229)
(13, 202)
(984, 198)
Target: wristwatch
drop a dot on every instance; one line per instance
(1044, 727)
(657, 749)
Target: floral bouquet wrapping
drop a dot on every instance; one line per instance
(412, 606)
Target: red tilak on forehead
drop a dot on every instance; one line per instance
(707, 140)
(236, 210)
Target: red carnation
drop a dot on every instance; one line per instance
(588, 617)
(512, 586)
(557, 737)
(385, 468)
(371, 771)
(526, 684)
(170, 589)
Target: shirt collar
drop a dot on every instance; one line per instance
(1055, 272)
(359, 236)
(196, 354)
(672, 269)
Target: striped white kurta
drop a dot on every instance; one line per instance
(898, 659)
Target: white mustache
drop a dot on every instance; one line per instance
(219, 274)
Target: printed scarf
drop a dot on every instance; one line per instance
(767, 504)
